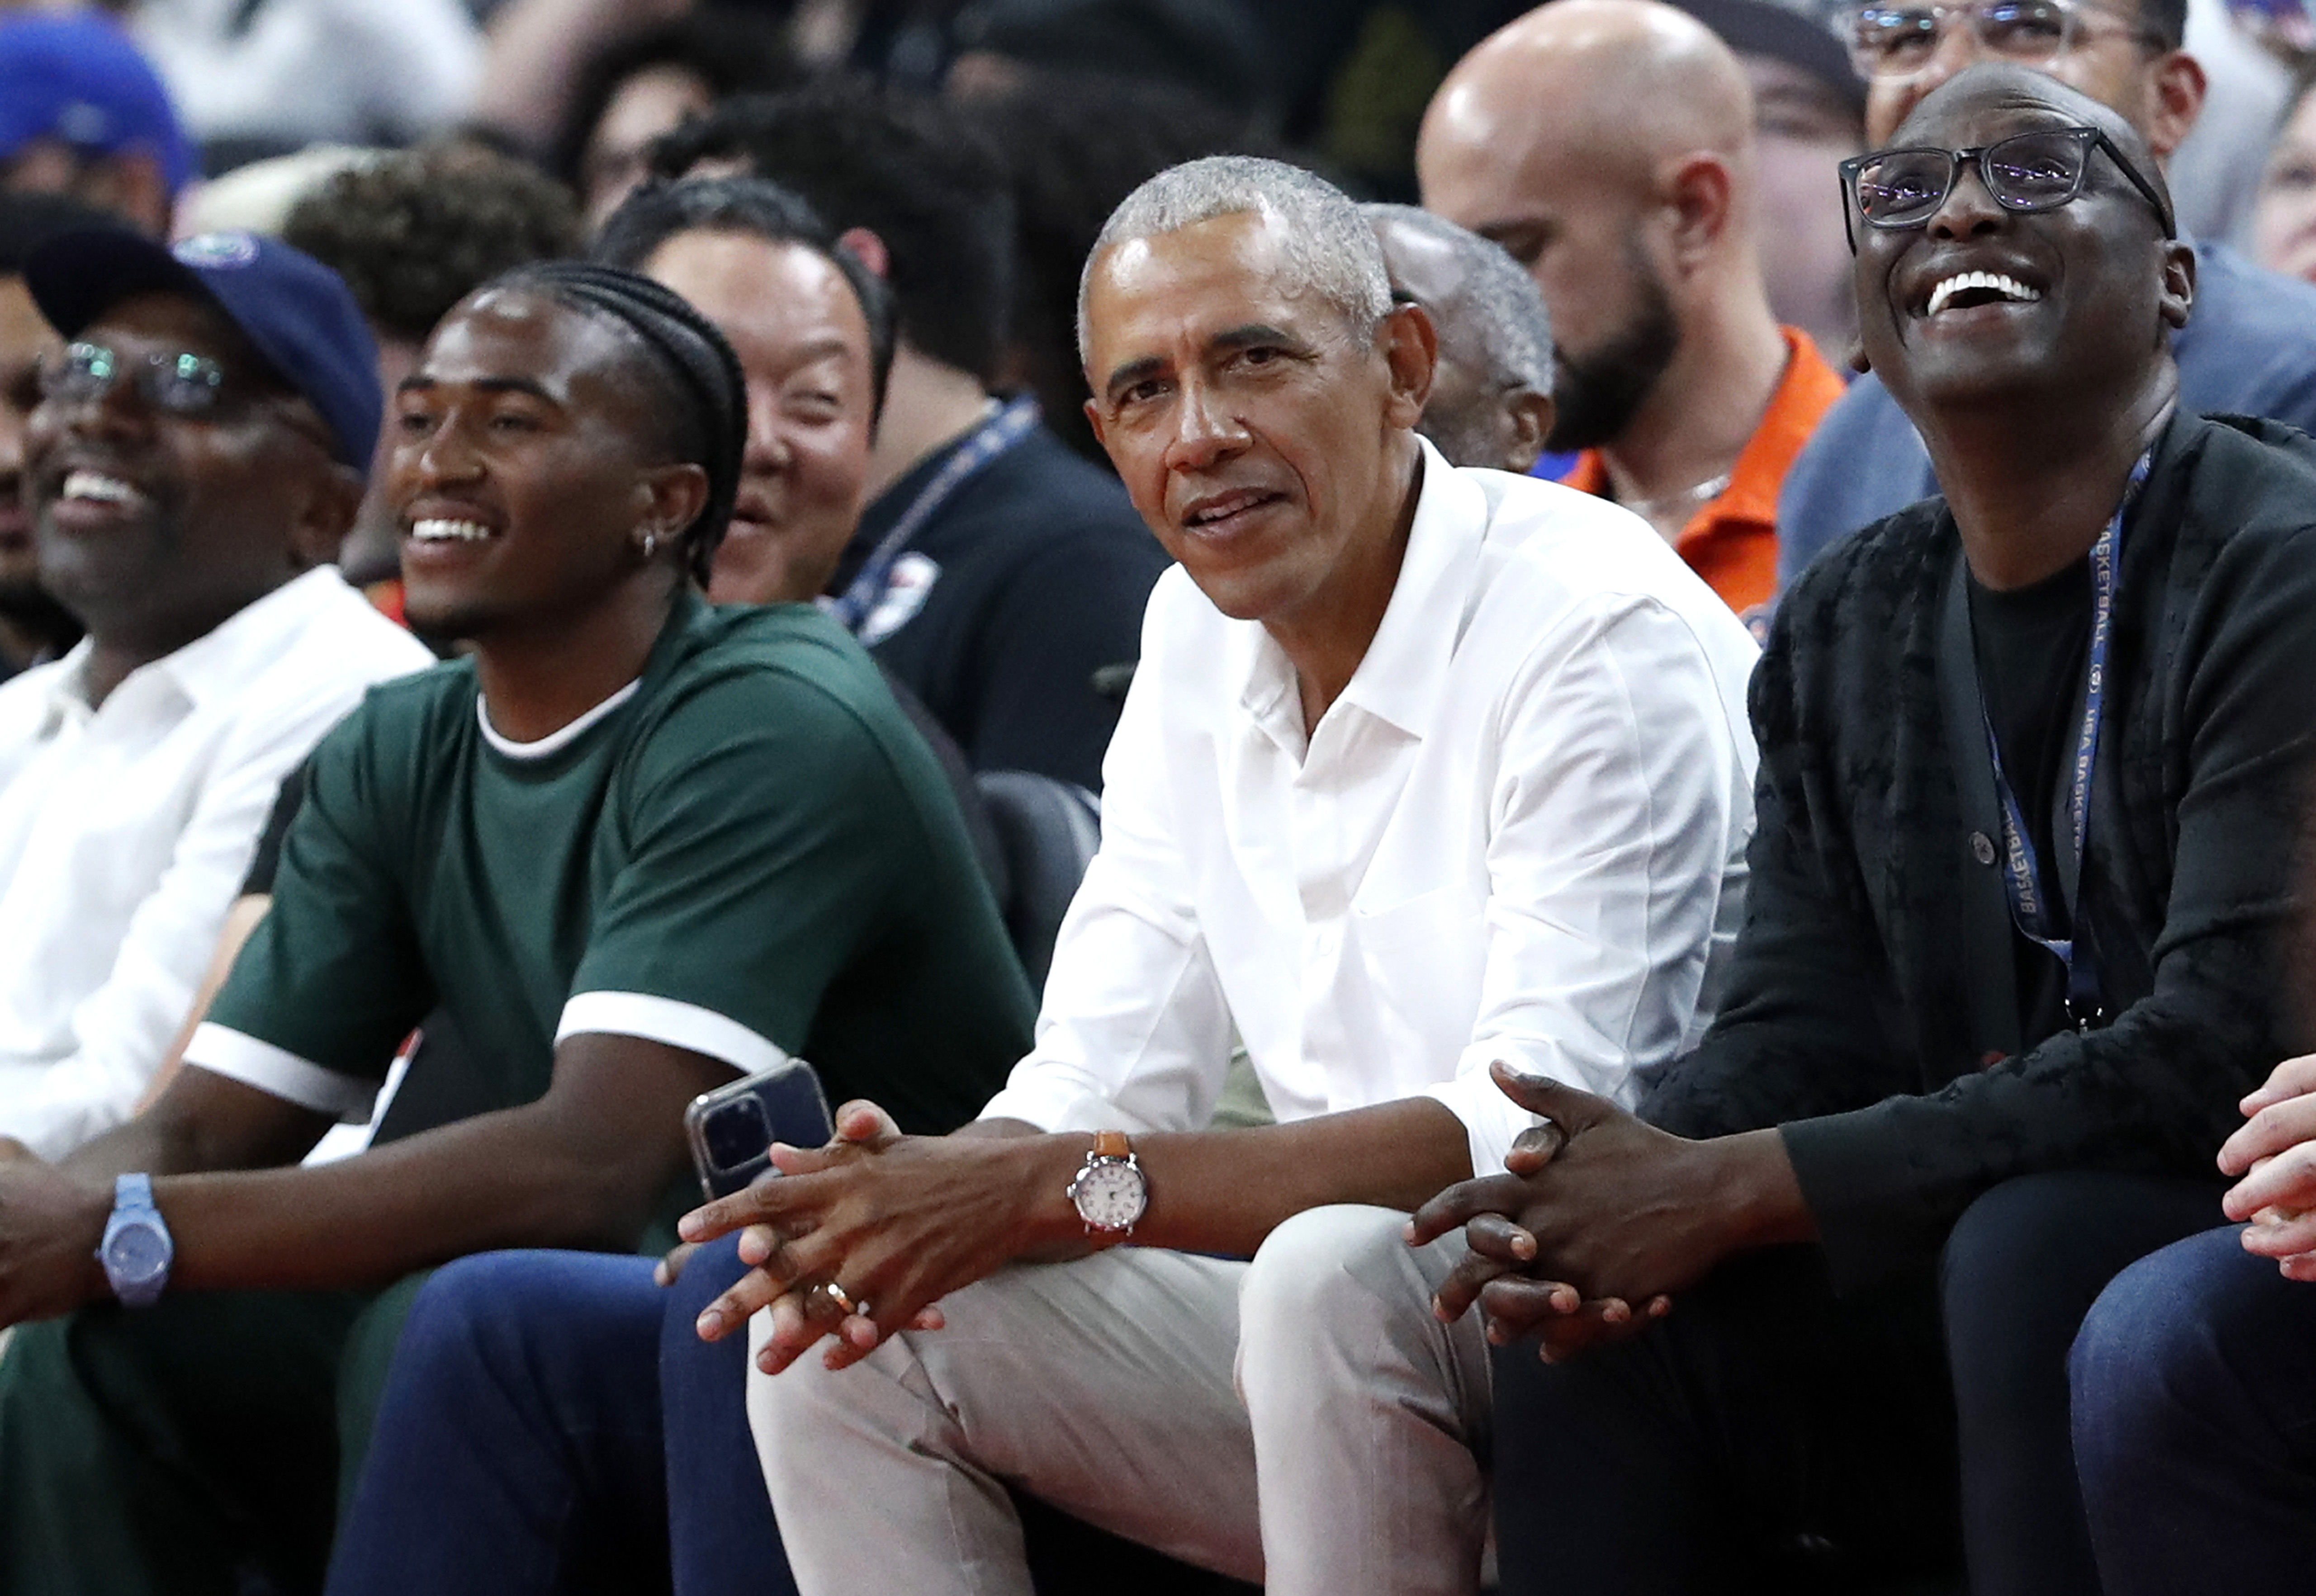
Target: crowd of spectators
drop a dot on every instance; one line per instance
(1535, 776)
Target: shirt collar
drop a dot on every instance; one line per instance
(1400, 677)
(223, 659)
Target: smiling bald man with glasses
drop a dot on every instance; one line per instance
(2032, 776)
(2251, 347)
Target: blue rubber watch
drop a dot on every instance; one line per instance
(136, 1251)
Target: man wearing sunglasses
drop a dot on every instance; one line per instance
(195, 457)
(2251, 348)
(2033, 761)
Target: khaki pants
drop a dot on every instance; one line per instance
(1301, 1420)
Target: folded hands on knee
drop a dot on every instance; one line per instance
(2274, 1152)
(1600, 1218)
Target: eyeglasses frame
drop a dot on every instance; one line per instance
(143, 373)
(2076, 22)
(2088, 136)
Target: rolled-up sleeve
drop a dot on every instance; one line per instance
(1621, 806)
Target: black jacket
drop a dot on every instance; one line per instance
(1872, 980)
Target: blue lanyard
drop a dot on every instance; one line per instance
(854, 606)
(2022, 871)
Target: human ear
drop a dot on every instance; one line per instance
(1531, 414)
(1698, 191)
(867, 249)
(2174, 98)
(1410, 350)
(325, 515)
(674, 495)
(2179, 299)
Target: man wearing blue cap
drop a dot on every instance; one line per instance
(195, 459)
(83, 114)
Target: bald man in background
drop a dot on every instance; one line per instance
(1608, 146)
(1490, 399)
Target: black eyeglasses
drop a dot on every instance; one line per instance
(172, 382)
(1897, 188)
(1898, 39)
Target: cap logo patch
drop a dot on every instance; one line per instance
(218, 249)
(83, 123)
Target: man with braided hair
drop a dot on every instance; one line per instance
(633, 844)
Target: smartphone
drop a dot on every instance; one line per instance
(732, 1129)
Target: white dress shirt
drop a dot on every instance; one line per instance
(1518, 834)
(126, 829)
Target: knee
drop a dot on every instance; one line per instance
(476, 1310)
(2004, 1241)
(501, 1326)
(1330, 1267)
(2152, 1342)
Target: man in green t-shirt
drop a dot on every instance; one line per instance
(632, 843)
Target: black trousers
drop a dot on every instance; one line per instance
(1772, 1436)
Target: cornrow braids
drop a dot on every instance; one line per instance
(707, 408)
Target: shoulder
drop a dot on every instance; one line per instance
(2250, 344)
(1870, 575)
(2241, 489)
(338, 640)
(1553, 559)
(1858, 603)
(1826, 494)
(2240, 303)
(775, 684)
(409, 719)
(1038, 496)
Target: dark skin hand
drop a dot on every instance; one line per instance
(900, 1221)
(1598, 1210)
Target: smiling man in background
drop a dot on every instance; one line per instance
(196, 457)
(35, 627)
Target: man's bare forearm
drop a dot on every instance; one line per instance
(493, 1181)
(1223, 1191)
(582, 1166)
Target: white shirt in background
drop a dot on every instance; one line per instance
(1518, 834)
(313, 71)
(126, 830)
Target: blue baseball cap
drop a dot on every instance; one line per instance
(294, 310)
(77, 77)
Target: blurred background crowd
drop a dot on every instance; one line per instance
(263, 101)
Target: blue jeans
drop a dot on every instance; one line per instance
(552, 1425)
(2195, 1420)
(1773, 1435)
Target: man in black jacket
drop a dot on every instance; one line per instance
(2029, 802)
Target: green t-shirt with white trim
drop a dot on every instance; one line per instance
(749, 853)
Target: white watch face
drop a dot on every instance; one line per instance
(1110, 1195)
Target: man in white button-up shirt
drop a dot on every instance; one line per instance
(187, 497)
(1423, 769)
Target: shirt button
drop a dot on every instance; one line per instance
(1982, 847)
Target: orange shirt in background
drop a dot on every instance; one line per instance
(1731, 541)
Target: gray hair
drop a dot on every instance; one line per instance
(1500, 296)
(1328, 244)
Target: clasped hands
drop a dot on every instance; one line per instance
(1599, 1220)
(859, 1238)
(2274, 1152)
